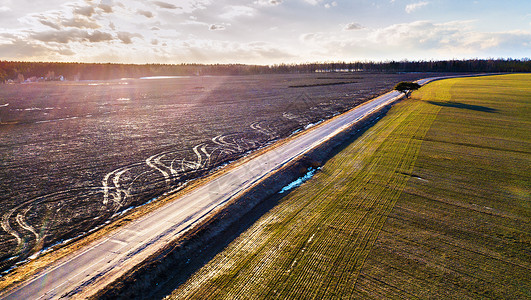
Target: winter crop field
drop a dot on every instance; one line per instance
(432, 202)
(75, 155)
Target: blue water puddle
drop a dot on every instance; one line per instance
(299, 181)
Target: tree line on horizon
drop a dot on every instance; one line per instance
(13, 71)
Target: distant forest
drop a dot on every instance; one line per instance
(14, 71)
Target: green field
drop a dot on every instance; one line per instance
(431, 202)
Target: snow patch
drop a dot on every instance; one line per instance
(313, 124)
(299, 181)
(296, 131)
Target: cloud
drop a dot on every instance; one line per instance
(97, 36)
(313, 2)
(62, 37)
(330, 5)
(352, 26)
(235, 11)
(80, 23)
(4, 9)
(105, 8)
(216, 27)
(166, 5)
(194, 22)
(226, 52)
(145, 13)
(71, 35)
(421, 34)
(60, 19)
(50, 24)
(85, 11)
(8, 36)
(414, 6)
(126, 37)
(22, 49)
(308, 37)
(417, 40)
(268, 2)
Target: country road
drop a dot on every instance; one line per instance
(117, 253)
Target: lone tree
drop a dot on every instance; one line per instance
(406, 87)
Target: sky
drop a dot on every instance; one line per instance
(262, 31)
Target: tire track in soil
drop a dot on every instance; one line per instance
(22, 225)
(112, 185)
(117, 191)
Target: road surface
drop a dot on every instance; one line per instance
(117, 253)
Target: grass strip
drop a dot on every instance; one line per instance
(461, 229)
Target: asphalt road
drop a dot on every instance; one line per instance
(117, 253)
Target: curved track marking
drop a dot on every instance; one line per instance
(154, 162)
(189, 165)
(118, 189)
(117, 194)
(20, 220)
(198, 155)
(7, 228)
(266, 131)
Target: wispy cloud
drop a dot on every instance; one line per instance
(414, 6)
(268, 2)
(313, 2)
(80, 23)
(126, 37)
(51, 24)
(106, 8)
(71, 35)
(331, 4)
(85, 11)
(166, 5)
(216, 27)
(235, 11)
(352, 26)
(145, 13)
